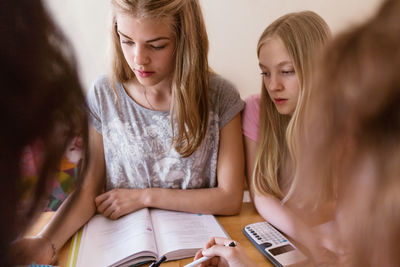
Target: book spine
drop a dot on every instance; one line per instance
(74, 249)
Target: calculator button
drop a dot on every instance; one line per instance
(266, 245)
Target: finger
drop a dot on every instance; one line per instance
(216, 241)
(210, 243)
(105, 204)
(221, 240)
(211, 262)
(115, 214)
(108, 211)
(100, 198)
(198, 255)
(218, 250)
(208, 263)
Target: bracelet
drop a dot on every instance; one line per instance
(53, 248)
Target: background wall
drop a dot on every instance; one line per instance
(233, 27)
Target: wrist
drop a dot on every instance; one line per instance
(52, 246)
(146, 197)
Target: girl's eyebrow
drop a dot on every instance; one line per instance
(280, 64)
(157, 39)
(126, 36)
(284, 63)
(149, 41)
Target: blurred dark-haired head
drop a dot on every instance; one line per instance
(41, 99)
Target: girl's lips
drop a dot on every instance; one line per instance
(280, 101)
(144, 74)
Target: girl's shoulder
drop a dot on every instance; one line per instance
(102, 88)
(103, 81)
(219, 87)
(250, 117)
(253, 100)
(216, 81)
(224, 98)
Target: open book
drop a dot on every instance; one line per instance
(142, 236)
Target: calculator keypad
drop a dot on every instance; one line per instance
(263, 232)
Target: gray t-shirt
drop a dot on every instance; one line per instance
(137, 140)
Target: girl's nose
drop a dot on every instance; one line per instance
(275, 83)
(141, 56)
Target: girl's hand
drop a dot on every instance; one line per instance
(325, 249)
(224, 256)
(118, 202)
(29, 250)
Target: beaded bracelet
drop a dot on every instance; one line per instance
(53, 248)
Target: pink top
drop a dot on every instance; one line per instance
(251, 117)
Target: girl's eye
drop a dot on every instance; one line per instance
(126, 42)
(287, 72)
(158, 47)
(265, 74)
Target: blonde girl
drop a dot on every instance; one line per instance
(286, 50)
(164, 131)
(349, 145)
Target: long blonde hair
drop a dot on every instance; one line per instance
(303, 34)
(190, 104)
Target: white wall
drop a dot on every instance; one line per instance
(233, 27)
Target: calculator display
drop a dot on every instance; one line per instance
(281, 249)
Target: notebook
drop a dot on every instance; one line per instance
(141, 237)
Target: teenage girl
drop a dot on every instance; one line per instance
(165, 132)
(286, 50)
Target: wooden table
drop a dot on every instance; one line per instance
(233, 226)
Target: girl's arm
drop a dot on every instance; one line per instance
(250, 149)
(318, 244)
(225, 199)
(72, 214)
(270, 207)
(279, 215)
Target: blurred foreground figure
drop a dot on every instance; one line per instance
(352, 143)
(42, 105)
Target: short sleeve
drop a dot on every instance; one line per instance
(94, 106)
(251, 117)
(229, 103)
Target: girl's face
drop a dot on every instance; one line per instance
(148, 46)
(279, 75)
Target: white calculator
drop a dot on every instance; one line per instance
(275, 246)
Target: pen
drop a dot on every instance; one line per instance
(157, 263)
(197, 262)
(204, 258)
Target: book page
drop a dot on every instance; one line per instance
(183, 231)
(105, 242)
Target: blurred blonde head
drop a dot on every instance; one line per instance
(189, 107)
(351, 147)
(303, 34)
